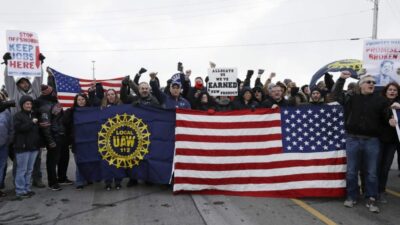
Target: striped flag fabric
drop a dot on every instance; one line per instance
(69, 86)
(287, 152)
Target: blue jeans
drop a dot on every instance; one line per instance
(3, 164)
(25, 162)
(367, 150)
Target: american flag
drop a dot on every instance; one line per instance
(287, 152)
(69, 86)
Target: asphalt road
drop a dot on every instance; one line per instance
(157, 205)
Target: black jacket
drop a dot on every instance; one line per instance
(388, 133)
(150, 100)
(239, 104)
(68, 122)
(50, 120)
(364, 114)
(26, 136)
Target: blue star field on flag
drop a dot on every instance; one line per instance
(313, 129)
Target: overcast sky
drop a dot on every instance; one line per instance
(293, 38)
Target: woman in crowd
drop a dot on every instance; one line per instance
(111, 99)
(245, 100)
(389, 140)
(204, 102)
(80, 100)
(5, 139)
(26, 146)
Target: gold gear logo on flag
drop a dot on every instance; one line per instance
(354, 64)
(123, 141)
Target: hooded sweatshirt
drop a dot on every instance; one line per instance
(26, 137)
(15, 93)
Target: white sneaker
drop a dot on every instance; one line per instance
(371, 205)
(349, 203)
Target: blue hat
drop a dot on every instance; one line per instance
(176, 79)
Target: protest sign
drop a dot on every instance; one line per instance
(382, 60)
(222, 82)
(24, 49)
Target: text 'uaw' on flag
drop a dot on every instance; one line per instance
(69, 86)
(287, 152)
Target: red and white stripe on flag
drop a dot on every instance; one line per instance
(66, 99)
(241, 153)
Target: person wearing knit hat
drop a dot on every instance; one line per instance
(259, 95)
(53, 131)
(245, 100)
(26, 146)
(16, 88)
(46, 89)
(317, 96)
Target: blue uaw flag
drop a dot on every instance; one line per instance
(125, 141)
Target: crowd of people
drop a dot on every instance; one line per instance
(37, 121)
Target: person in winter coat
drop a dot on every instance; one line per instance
(276, 98)
(365, 113)
(259, 95)
(6, 134)
(173, 99)
(317, 96)
(195, 91)
(111, 98)
(389, 141)
(224, 103)
(204, 102)
(63, 162)
(245, 100)
(80, 100)
(53, 132)
(16, 88)
(26, 146)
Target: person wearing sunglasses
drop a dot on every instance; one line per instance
(365, 113)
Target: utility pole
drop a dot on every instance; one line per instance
(375, 21)
(93, 68)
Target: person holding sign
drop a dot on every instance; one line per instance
(16, 89)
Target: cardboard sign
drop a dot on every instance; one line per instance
(24, 49)
(222, 82)
(382, 60)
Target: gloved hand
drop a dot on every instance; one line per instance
(142, 71)
(249, 74)
(41, 58)
(125, 81)
(6, 57)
